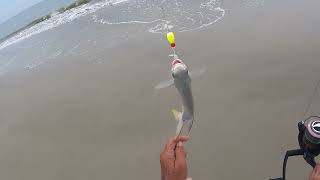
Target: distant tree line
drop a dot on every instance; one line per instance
(46, 17)
(73, 5)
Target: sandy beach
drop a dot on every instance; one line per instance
(89, 110)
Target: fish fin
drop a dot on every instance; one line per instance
(198, 72)
(177, 115)
(179, 127)
(164, 84)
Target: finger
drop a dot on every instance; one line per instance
(171, 143)
(317, 169)
(180, 152)
(182, 138)
(312, 174)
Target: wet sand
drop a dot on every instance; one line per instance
(97, 116)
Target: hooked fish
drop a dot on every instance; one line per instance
(182, 82)
(181, 79)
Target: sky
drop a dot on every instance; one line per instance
(10, 8)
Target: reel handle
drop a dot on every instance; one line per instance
(296, 152)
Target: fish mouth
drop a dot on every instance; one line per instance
(176, 61)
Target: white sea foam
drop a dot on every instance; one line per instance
(162, 16)
(253, 3)
(43, 59)
(59, 19)
(167, 15)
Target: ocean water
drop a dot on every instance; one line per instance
(155, 16)
(161, 15)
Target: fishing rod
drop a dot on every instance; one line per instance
(308, 138)
(309, 142)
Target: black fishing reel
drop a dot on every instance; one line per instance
(309, 142)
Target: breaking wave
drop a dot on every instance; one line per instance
(177, 15)
(160, 16)
(59, 19)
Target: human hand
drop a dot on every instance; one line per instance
(315, 174)
(173, 159)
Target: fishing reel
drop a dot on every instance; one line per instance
(309, 142)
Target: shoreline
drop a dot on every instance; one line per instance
(46, 17)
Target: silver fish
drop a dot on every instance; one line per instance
(182, 82)
(181, 78)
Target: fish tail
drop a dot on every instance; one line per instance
(178, 116)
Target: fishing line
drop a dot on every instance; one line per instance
(171, 37)
(310, 101)
(164, 16)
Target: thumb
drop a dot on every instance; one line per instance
(317, 169)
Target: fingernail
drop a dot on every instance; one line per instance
(180, 144)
